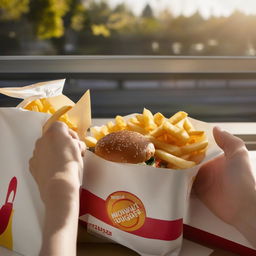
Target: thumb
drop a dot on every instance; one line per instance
(229, 143)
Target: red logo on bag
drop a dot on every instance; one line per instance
(6, 210)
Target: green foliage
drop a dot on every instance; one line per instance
(79, 17)
(147, 12)
(73, 23)
(48, 17)
(121, 20)
(100, 30)
(13, 9)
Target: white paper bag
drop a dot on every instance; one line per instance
(139, 206)
(21, 215)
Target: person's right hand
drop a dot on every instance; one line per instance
(227, 185)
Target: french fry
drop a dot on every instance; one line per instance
(104, 130)
(193, 147)
(196, 138)
(35, 105)
(35, 108)
(111, 126)
(158, 131)
(159, 118)
(90, 141)
(180, 134)
(180, 124)
(172, 149)
(197, 133)
(149, 120)
(47, 106)
(55, 117)
(43, 105)
(177, 161)
(120, 122)
(134, 120)
(188, 126)
(96, 132)
(136, 128)
(198, 156)
(177, 117)
(140, 119)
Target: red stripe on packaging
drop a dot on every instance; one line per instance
(204, 237)
(166, 230)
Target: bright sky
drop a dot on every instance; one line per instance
(188, 7)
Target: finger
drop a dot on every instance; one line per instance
(82, 147)
(55, 117)
(32, 166)
(57, 128)
(31, 162)
(73, 134)
(229, 143)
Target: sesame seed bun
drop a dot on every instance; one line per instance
(125, 147)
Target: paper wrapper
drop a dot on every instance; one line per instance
(79, 115)
(21, 208)
(139, 206)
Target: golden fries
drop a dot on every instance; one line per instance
(178, 117)
(176, 161)
(177, 142)
(43, 105)
(55, 117)
(90, 141)
(148, 120)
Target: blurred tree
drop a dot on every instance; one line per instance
(147, 12)
(47, 16)
(148, 24)
(13, 9)
(58, 20)
(99, 13)
(94, 27)
(121, 19)
(79, 17)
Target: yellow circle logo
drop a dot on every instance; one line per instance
(125, 210)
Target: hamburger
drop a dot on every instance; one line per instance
(125, 147)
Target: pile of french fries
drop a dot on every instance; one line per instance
(175, 139)
(43, 105)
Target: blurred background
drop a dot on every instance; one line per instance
(128, 27)
(138, 27)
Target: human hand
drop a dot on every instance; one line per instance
(57, 162)
(56, 166)
(227, 184)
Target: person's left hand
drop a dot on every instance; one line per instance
(57, 161)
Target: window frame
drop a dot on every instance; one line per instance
(127, 64)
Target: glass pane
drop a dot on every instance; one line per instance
(128, 27)
(212, 98)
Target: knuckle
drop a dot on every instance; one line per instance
(37, 144)
(56, 128)
(241, 152)
(240, 142)
(31, 165)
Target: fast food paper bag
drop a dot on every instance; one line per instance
(139, 206)
(21, 209)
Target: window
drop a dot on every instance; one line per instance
(128, 27)
(161, 54)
